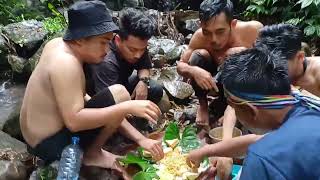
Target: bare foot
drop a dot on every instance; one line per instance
(104, 159)
(202, 118)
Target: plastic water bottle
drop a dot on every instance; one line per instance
(70, 162)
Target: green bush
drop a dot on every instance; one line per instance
(303, 13)
(17, 10)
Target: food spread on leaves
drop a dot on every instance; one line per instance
(173, 166)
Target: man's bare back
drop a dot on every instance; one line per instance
(39, 108)
(311, 79)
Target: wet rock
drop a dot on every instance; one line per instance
(175, 54)
(10, 103)
(159, 61)
(26, 35)
(179, 91)
(3, 53)
(12, 170)
(17, 63)
(192, 25)
(160, 46)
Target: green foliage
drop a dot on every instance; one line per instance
(189, 140)
(54, 24)
(47, 173)
(148, 172)
(303, 13)
(172, 132)
(17, 10)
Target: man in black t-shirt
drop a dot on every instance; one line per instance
(128, 52)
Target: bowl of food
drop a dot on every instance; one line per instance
(216, 134)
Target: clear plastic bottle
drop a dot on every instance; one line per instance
(70, 162)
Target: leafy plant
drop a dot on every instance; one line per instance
(172, 132)
(189, 140)
(302, 13)
(54, 24)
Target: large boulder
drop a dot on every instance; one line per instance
(187, 21)
(160, 46)
(10, 103)
(179, 91)
(12, 170)
(27, 36)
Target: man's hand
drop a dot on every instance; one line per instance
(153, 146)
(140, 92)
(204, 79)
(194, 159)
(223, 167)
(143, 108)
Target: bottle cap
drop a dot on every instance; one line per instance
(75, 140)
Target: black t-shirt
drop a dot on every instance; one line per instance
(112, 70)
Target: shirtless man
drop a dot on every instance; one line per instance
(303, 72)
(218, 36)
(54, 109)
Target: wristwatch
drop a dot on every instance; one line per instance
(146, 80)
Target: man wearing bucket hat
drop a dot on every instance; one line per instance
(54, 108)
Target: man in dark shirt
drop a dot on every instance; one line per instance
(128, 53)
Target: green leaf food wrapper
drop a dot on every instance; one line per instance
(188, 141)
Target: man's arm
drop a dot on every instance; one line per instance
(153, 146)
(234, 147)
(66, 78)
(229, 122)
(183, 68)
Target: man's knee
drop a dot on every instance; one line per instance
(155, 92)
(119, 93)
(199, 56)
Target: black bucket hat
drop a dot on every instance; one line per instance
(88, 18)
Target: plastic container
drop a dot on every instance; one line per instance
(70, 162)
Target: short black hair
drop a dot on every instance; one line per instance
(285, 38)
(211, 8)
(137, 23)
(256, 70)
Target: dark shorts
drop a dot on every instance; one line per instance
(50, 149)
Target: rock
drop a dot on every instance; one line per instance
(4, 65)
(15, 161)
(7, 142)
(159, 61)
(26, 35)
(188, 38)
(17, 63)
(192, 25)
(179, 91)
(167, 74)
(164, 103)
(186, 21)
(175, 54)
(10, 102)
(160, 46)
(12, 170)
